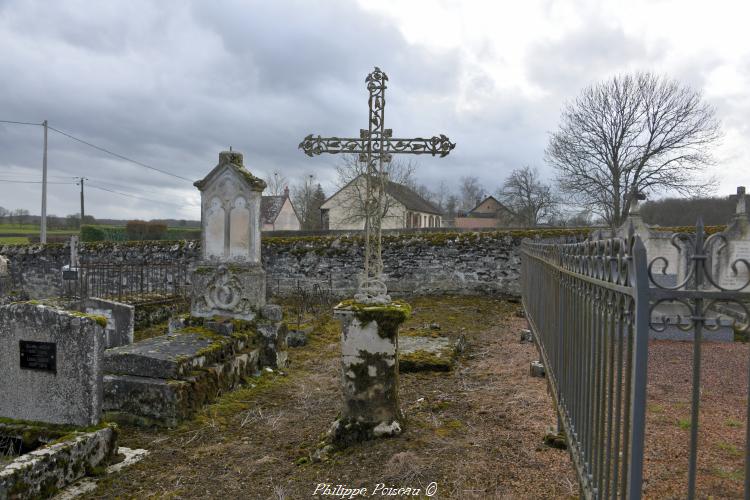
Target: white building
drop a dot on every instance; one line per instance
(277, 213)
(404, 208)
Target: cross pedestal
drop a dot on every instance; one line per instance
(369, 371)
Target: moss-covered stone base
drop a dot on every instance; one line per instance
(346, 431)
(369, 371)
(44, 471)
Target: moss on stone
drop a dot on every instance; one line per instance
(387, 316)
(419, 361)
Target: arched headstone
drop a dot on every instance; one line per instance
(229, 280)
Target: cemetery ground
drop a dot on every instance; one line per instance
(476, 431)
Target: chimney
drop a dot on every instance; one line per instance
(286, 191)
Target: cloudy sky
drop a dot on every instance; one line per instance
(171, 83)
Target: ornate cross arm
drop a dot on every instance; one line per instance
(439, 145)
(318, 145)
(434, 146)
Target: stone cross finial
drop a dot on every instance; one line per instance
(741, 201)
(635, 203)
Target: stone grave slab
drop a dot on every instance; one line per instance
(428, 353)
(164, 380)
(171, 356)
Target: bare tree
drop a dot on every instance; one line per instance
(351, 172)
(530, 200)
(470, 191)
(276, 184)
(303, 197)
(633, 133)
(442, 194)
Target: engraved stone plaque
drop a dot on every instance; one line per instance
(38, 355)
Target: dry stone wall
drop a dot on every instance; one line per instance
(431, 263)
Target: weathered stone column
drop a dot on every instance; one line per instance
(369, 365)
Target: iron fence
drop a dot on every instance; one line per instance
(590, 306)
(587, 313)
(133, 282)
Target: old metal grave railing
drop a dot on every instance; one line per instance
(133, 282)
(590, 306)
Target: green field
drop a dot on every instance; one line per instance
(13, 240)
(31, 229)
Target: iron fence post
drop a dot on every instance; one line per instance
(639, 368)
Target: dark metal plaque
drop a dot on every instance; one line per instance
(70, 275)
(38, 355)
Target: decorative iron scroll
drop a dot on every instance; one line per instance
(699, 295)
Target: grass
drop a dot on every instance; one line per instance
(729, 448)
(13, 240)
(730, 422)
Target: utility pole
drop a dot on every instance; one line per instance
(43, 223)
(81, 179)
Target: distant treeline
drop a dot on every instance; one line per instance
(685, 212)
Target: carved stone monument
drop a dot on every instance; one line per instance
(727, 259)
(229, 280)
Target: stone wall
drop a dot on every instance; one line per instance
(416, 263)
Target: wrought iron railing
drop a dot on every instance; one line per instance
(587, 304)
(133, 282)
(590, 306)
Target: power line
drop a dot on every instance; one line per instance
(33, 182)
(21, 123)
(104, 150)
(118, 155)
(131, 195)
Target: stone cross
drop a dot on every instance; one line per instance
(375, 146)
(741, 201)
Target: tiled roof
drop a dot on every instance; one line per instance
(270, 206)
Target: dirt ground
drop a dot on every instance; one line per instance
(721, 442)
(476, 432)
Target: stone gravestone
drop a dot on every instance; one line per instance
(3, 266)
(737, 248)
(50, 365)
(120, 320)
(229, 280)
